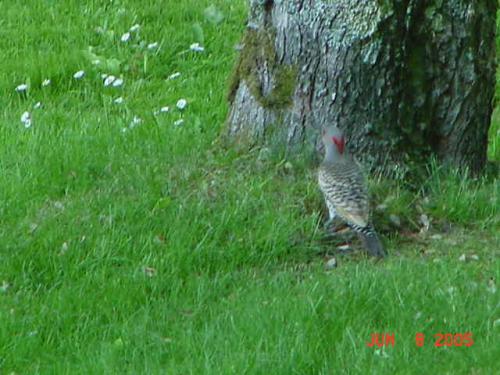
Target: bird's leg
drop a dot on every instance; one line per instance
(330, 225)
(328, 222)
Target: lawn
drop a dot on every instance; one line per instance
(133, 241)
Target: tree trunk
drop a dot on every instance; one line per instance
(404, 78)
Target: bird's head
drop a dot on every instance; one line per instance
(333, 138)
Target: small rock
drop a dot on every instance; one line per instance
(331, 264)
(395, 220)
(424, 219)
(149, 271)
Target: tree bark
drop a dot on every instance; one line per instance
(404, 78)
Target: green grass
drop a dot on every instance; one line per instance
(155, 250)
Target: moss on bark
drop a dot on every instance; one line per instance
(258, 57)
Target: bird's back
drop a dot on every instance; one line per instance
(343, 185)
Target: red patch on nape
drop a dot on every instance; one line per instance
(340, 143)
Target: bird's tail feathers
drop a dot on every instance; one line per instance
(372, 243)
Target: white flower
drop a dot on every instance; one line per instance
(118, 100)
(79, 74)
(125, 37)
(164, 109)
(46, 82)
(135, 121)
(179, 122)
(64, 248)
(174, 75)
(118, 82)
(196, 47)
(108, 80)
(22, 87)
(37, 105)
(181, 104)
(26, 119)
(134, 28)
(5, 286)
(153, 45)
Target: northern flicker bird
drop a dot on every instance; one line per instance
(343, 186)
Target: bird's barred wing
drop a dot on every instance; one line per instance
(347, 193)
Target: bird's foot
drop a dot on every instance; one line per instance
(334, 226)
